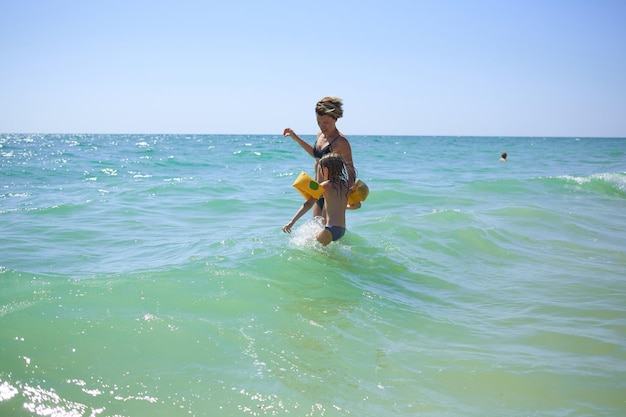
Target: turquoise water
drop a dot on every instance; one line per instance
(147, 275)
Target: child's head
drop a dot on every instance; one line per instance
(335, 165)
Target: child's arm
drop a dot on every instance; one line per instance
(303, 209)
(358, 192)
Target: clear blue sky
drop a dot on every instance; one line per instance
(493, 68)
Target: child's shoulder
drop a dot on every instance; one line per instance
(334, 185)
(330, 184)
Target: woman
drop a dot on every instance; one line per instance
(329, 140)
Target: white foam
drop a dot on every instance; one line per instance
(304, 235)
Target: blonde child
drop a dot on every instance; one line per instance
(335, 184)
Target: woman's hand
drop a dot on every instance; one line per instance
(289, 132)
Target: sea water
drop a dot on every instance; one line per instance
(147, 275)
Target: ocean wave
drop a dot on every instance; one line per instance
(611, 183)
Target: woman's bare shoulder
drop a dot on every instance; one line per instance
(342, 144)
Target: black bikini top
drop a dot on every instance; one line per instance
(318, 153)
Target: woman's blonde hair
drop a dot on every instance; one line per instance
(330, 106)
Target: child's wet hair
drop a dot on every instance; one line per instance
(336, 167)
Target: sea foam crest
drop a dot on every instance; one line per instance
(616, 180)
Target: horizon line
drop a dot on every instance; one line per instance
(314, 134)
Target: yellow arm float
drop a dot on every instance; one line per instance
(308, 187)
